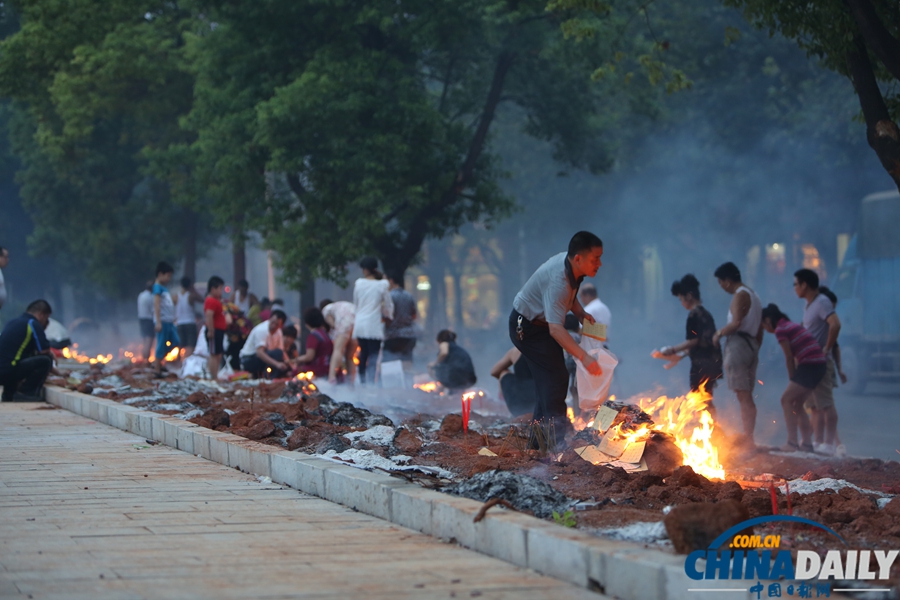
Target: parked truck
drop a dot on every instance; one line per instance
(868, 290)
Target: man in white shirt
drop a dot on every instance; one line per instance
(594, 307)
(263, 352)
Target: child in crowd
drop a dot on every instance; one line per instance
(319, 346)
(289, 335)
(163, 315)
(216, 324)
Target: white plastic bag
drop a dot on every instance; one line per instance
(392, 374)
(593, 390)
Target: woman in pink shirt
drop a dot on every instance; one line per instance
(806, 368)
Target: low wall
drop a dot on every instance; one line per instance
(623, 570)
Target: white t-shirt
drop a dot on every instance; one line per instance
(372, 298)
(815, 318)
(184, 312)
(260, 337)
(145, 305)
(600, 312)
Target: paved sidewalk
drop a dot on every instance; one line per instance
(88, 511)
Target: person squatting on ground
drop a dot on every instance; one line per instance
(145, 319)
(319, 347)
(806, 368)
(186, 315)
(536, 328)
(289, 335)
(706, 357)
(340, 317)
(516, 382)
(25, 358)
(400, 331)
(372, 298)
(453, 367)
(743, 335)
(216, 324)
(263, 352)
(824, 325)
(164, 315)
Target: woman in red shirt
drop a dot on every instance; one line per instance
(806, 367)
(318, 345)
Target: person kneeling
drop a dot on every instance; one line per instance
(319, 347)
(263, 352)
(453, 368)
(25, 359)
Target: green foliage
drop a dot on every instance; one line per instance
(824, 29)
(566, 519)
(376, 133)
(96, 85)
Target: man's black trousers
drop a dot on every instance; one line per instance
(548, 367)
(257, 368)
(26, 377)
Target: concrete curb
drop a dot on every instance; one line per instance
(623, 570)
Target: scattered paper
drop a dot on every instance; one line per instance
(612, 447)
(630, 467)
(604, 418)
(633, 452)
(595, 330)
(486, 452)
(593, 455)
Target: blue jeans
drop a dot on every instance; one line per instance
(169, 334)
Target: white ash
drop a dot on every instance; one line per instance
(148, 398)
(229, 411)
(367, 459)
(112, 381)
(651, 532)
(827, 483)
(882, 502)
(191, 414)
(174, 406)
(429, 426)
(381, 435)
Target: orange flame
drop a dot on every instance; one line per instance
(73, 354)
(429, 386)
(693, 434)
(686, 419)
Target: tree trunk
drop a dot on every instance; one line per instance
(239, 254)
(191, 220)
(307, 300)
(876, 36)
(403, 256)
(881, 132)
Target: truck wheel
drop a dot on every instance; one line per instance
(855, 369)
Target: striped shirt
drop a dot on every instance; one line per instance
(805, 348)
(22, 338)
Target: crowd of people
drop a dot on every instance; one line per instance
(255, 336)
(345, 339)
(811, 351)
